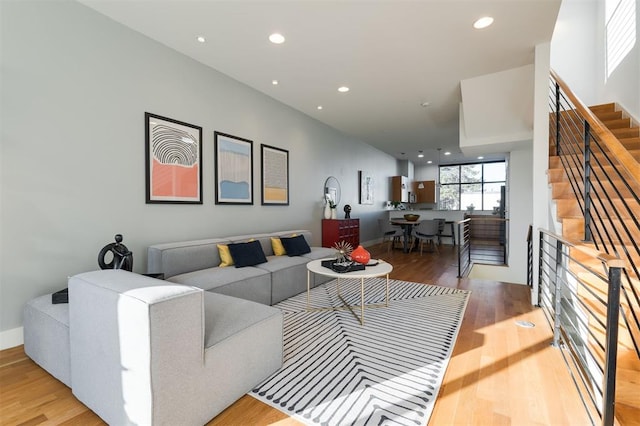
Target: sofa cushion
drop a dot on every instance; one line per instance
(46, 336)
(247, 254)
(276, 245)
(295, 246)
(184, 256)
(225, 255)
(210, 278)
(263, 239)
(225, 316)
(320, 253)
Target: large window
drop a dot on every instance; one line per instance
(463, 185)
(620, 25)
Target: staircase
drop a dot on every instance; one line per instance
(609, 204)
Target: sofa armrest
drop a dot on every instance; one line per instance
(130, 335)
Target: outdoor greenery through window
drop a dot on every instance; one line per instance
(477, 185)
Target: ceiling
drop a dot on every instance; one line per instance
(394, 56)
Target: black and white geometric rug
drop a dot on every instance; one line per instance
(389, 371)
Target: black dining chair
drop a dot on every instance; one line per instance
(390, 233)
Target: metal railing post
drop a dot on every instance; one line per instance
(587, 183)
(468, 225)
(540, 265)
(611, 351)
(460, 245)
(557, 119)
(558, 296)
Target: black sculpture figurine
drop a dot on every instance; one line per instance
(347, 211)
(122, 257)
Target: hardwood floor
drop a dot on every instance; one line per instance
(499, 374)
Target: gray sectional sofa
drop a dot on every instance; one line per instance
(196, 263)
(139, 350)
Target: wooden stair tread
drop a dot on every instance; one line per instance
(608, 115)
(630, 132)
(617, 123)
(570, 208)
(608, 107)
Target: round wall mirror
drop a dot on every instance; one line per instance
(332, 189)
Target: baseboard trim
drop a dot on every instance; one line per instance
(11, 338)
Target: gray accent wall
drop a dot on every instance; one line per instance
(74, 89)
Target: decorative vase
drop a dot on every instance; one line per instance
(360, 255)
(334, 215)
(327, 211)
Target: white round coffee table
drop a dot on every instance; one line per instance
(381, 269)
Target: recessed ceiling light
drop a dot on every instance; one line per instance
(425, 104)
(483, 22)
(429, 162)
(343, 89)
(274, 82)
(276, 38)
(420, 154)
(480, 157)
(447, 153)
(201, 39)
(319, 107)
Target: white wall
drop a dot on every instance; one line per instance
(75, 87)
(496, 112)
(573, 52)
(578, 56)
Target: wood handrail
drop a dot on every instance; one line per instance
(630, 165)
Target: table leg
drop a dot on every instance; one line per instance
(308, 286)
(361, 301)
(406, 229)
(387, 293)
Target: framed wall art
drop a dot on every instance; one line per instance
(173, 151)
(234, 169)
(366, 187)
(274, 175)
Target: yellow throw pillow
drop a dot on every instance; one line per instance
(278, 249)
(225, 255)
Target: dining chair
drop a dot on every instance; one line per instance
(426, 231)
(389, 232)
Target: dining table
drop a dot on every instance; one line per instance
(407, 226)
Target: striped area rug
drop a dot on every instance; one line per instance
(337, 372)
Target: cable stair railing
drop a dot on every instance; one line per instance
(482, 239)
(595, 177)
(584, 322)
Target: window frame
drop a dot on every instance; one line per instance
(460, 184)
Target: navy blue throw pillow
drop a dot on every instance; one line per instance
(295, 246)
(247, 254)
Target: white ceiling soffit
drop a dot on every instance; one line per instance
(394, 55)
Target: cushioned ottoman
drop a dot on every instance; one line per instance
(46, 336)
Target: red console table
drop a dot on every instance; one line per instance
(334, 230)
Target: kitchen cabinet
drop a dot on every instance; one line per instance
(426, 194)
(400, 189)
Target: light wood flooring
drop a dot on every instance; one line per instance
(500, 373)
